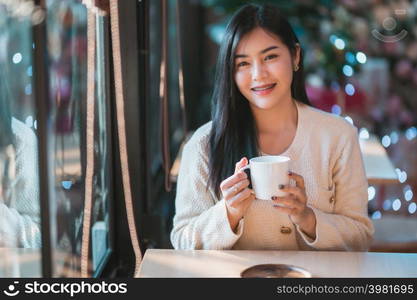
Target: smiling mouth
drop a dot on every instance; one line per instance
(264, 87)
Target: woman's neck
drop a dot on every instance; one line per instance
(274, 121)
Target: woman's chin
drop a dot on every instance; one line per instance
(263, 104)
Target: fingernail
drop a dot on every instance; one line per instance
(281, 186)
(274, 197)
(289, 173)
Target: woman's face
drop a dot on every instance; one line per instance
(264, 68)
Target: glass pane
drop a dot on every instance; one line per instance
(173, 89)
(20, 233)
(160, 202)
(67, 49)
(67, 46)
(175, 112)
(102, 176)
(155, 57)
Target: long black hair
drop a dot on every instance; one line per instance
(234, 134)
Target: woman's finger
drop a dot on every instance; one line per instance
(289, 201)
(296, 191)
(235, 189)
(299, 180)
(240, 164)
(285, 210)
(232, 180)
(240, 197)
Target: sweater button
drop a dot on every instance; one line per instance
(285, 230)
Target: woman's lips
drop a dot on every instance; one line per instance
(264, 89)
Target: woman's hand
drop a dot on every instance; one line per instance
(295, 205)
(237, 195)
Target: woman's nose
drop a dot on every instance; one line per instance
(258, 72)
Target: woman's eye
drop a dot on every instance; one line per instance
(241, 64)
(272, 56)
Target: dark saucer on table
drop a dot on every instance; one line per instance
(275, 271)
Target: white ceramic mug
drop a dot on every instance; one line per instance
(267, 173)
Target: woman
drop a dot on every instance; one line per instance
(261, 108)
(19, 183)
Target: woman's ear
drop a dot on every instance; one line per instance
(297, 55)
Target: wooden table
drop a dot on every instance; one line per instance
(230, 263)
(27, 262)
(20, 262)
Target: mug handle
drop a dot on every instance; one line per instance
(246, 169)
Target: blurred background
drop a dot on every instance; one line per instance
(360, 62)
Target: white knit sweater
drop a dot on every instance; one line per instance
(325, 151)
(19, 208)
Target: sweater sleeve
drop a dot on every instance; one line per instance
(200, 222)
(348, 227)
(17, 230)
(19, 209)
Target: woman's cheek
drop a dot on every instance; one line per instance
(241, 80)
(284, 73)
(281, 67)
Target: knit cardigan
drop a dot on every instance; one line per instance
(19, 209)
(325, 151)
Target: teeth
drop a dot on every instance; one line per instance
(264, 88)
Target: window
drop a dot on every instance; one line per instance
(20, 229)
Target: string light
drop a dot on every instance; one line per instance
(66, 184)
(411, 133)
(349, 119)
(402, 177)
(371, 193)
(336, 109)
(347, 70)
(412, 207)
(394, 137)
(376, 215)
(332, 38)
(350, 57)
(339, 44)
(17, 58)
(335, 86)
(29, 71)
(28, 89)
(386, 141)
(387, 204)
(408, 195)
(349, 89)
(361, 57)
(396, 205)
(363, 134)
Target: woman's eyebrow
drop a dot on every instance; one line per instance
(260, 52)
